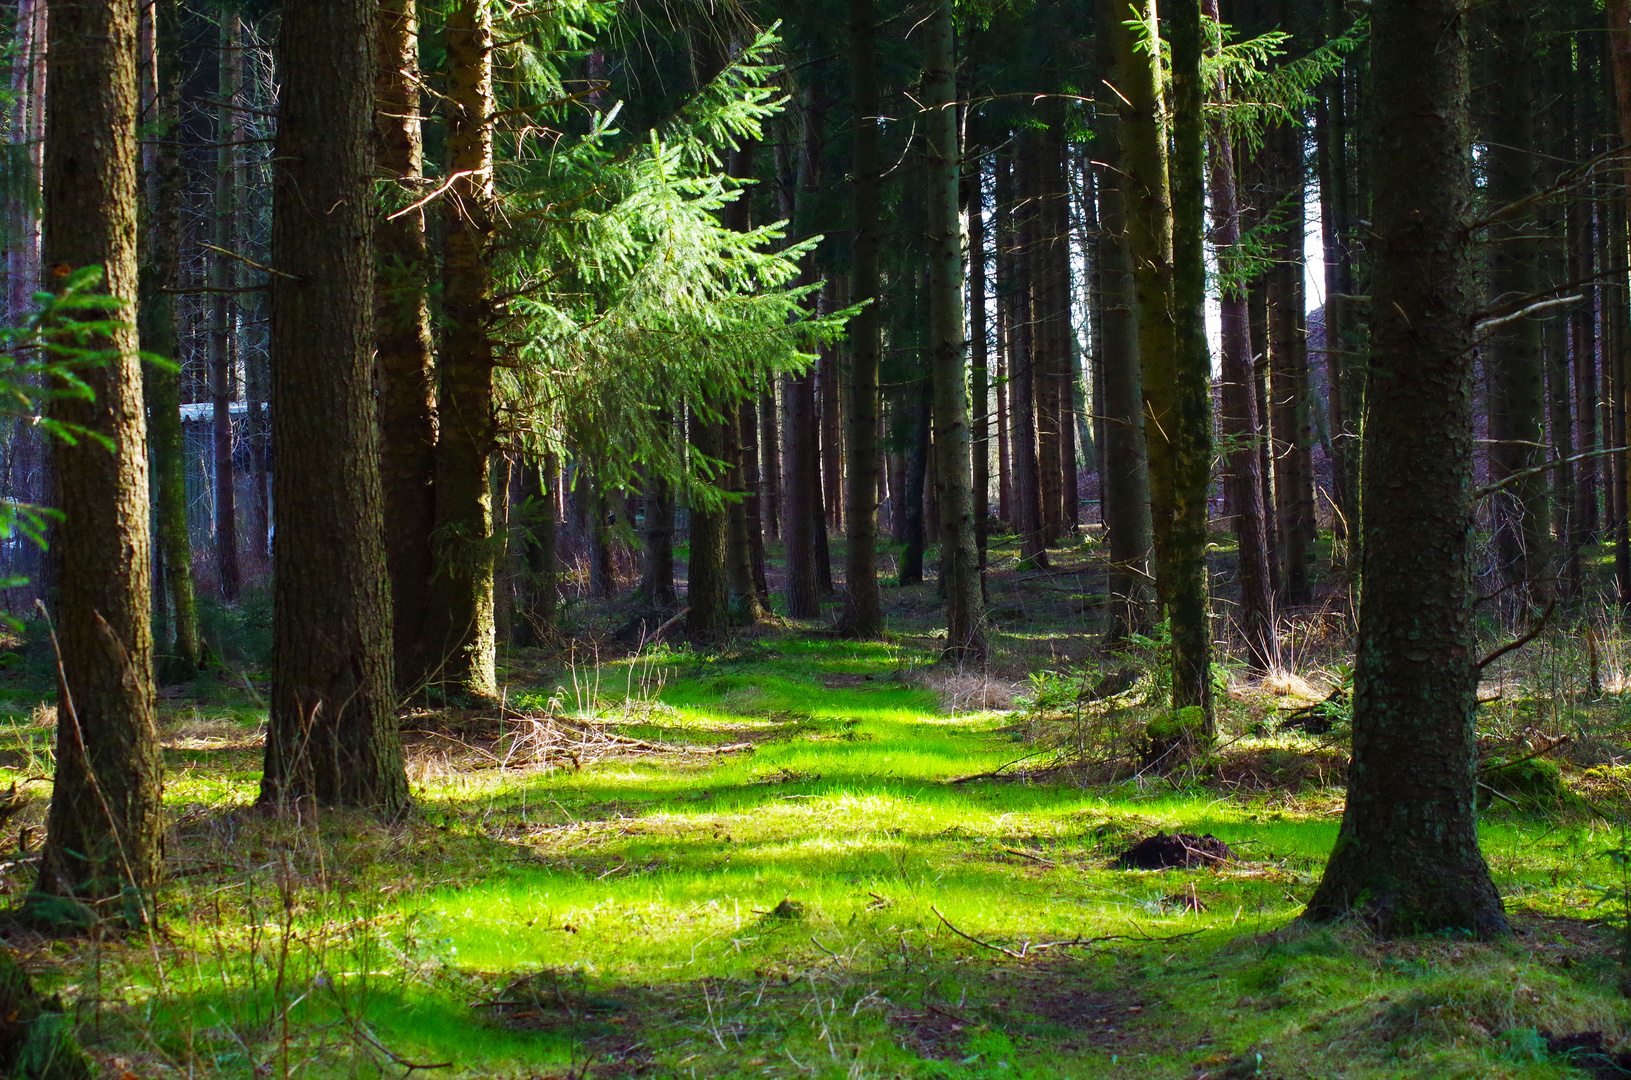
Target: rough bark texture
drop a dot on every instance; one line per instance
(467, 431)
(959, 554)
(36, 1040)
(332, 737)
(1126, 470)
(1187, 420)
(1241, 431)
(1176, 430)
(1406, 858)
(403, 359)
(863, 615)
(104, 834)
(162, 386)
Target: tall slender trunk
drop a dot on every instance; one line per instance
(466, 430)
(1175, 425)
(753, 499)
(960, 559)
(1126, 479)
(1024, 372)
(1289, 408)
(1042, 261)
(1002, 263)
(223, 339)
(913, 532)
(104, 831)
(162, 386)
(1513, 353)
(657, 573)
(979, 383)
(1241, 431)
(863, 615)
(403, 357)
(1184, 410)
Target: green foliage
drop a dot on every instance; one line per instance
(1263, 93)
(626, 297)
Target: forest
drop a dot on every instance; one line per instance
(860, 538)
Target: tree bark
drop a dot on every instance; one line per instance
(1176, 422)
(1024, 371)
(1126, 469)
(104, 832)
(402, 340)
(1513, 352)
(979, 352)
(162, 386)
(1184, 411)
(1406, 859)
(224, 277)
(332, 736)
(959, 553)
(862, 613)
(466, 428)
(1241, 430)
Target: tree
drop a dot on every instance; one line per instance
(1241, 428)
(407, 391)
(1126, 469)
(332, 735)
(162, 384)
(863, 615)
(1164, 225)
(960, 557)
(1517, 398)
(467, 432)
(1406, 857)
(104, 832)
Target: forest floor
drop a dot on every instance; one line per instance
(801, 856)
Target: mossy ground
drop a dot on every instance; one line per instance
(809, 906)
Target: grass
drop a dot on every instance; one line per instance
(832, 903)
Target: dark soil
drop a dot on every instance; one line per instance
(1585, 1051)
(1163, 851)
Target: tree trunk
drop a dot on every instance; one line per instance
(1289, 408)
(332, 736)
(466, 430)
(863, 615)
(914, 534)
(959, 553)
(657, 575)
(104, 833)
(1406, 859)
(1126, 470)
(224, 277)
(1047, 313)
(1176, 425)
(403, 356)
(1513, 351)
(1023, 373)
(1183, 408)
(1241, 432)
(979, 353)
(180, 654)
(536, 588)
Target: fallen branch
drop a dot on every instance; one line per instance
(1513, 646)
(1029, 947)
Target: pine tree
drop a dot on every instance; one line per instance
(332, 735)
(105, 827)
(1406, 858)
